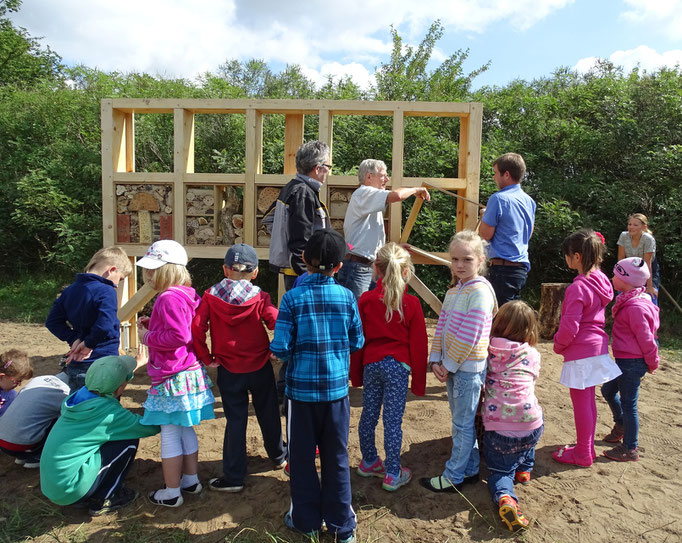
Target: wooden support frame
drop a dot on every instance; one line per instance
(118, 162)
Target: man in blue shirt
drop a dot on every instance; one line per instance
(507, 223)
(317, 328)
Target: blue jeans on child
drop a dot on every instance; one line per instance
(504, 456)
(383, 383)
(464, 390)
(621, 394)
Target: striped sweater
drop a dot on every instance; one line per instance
(463, 329)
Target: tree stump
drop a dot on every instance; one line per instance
(551, 296)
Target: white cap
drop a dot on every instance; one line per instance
(165, 251)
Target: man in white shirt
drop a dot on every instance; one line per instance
(363, 226)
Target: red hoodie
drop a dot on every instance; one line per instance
(238, 338)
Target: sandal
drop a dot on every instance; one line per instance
(621, 453)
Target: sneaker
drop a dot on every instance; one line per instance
(176, 501)
(221, 485)
(289, 523)
(196, 488)
(616, 434)
(620, 453)
(375, 470)
(122, 498)
(511, 515)
(281, 464)
(286, 470)
(522, 477)
(394, 483)
(349, 539)
(19, 461)
(441, 484)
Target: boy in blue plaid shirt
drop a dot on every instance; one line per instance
(317, 329)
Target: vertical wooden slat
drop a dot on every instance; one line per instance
(293, 138)
(130, 141)
(395, 217)
(183, 162)
(254, 166)
(462, 168)
(473, 163)
(108, 193)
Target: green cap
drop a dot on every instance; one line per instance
(106, 374)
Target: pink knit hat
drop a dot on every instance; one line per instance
(632, 271)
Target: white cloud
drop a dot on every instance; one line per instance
(645, 57)
(183, 39)
(358, 73)
(661, 16)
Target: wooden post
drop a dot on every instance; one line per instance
(293, 138)
(551, 296)
(108, 193)
(395, 216)
(254, 166)
(183, 162)
(473, 164)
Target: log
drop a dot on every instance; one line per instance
(551, 296)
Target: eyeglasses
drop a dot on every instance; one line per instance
(15, 382)
(328, 166)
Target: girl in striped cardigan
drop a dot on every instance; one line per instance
(458, 356)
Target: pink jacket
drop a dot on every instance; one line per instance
(581, 329)
(634, 330)
(510, 402)
(170, 334)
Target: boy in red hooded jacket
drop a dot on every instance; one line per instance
(235, 310)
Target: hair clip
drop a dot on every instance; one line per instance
(601, 237)
(7, 364)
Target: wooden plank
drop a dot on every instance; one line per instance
(183, 162)
(407, 229)
(428, 260)
(144, 177)
(130, 142)
(108, 191)
(429, 297)
(325, 130)
(473, 164)
(137, 302)
(122, 228)
(254, 166)
(293, 138)
(215, 178)
(449, 183)
(118, 147)
(395, 218)
(431, 258)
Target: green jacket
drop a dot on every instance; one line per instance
(70, 459)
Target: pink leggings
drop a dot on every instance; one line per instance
(585, 417)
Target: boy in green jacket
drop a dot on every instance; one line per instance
(93, 444)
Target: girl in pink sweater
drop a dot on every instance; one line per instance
(582, 341)
(512, 416)
(180, 396)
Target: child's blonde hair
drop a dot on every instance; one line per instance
(477, 245)
(111, 256)
(395, 266)
(15, 364)
(516, 321)
(170, 275)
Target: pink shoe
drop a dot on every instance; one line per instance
(567, 455)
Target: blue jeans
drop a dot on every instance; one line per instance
(464, 390)
(504, 456)
(621, 394)
(384, 383)
(76, 372)
(355, 276)
(507, 282)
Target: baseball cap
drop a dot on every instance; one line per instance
(326, 247)
(164, 251)
(243, 254)
(632, 271)
(108, 373)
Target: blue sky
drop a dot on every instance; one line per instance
(522, 38)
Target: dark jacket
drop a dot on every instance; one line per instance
(87, 310)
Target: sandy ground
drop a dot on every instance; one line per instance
(610, 501)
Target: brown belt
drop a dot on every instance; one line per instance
(503, 262)
(360, 259)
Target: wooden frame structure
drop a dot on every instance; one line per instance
(118, 169)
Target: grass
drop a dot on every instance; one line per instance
(28, 299)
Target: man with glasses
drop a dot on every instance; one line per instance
(299, 211)
(363, 226)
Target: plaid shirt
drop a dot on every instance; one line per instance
(234, 292)
(317, 329)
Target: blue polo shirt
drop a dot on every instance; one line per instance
(512, 212)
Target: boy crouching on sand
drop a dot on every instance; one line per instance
(91, 447)
(317, 329)
(236, 310)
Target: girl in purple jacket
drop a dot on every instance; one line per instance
(180, 396)
(582, 341)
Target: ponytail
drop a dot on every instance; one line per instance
(394, 264)
(589, 244)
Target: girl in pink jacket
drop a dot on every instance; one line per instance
(180, 396)
(582, 341)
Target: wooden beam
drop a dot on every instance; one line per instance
(130, 142)
(473, 164)
(429, 297)
(137, 302)
(293, 138)
(108, 193)
(395, 216)
(183, 162)
(254, 167)
(407, 229)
